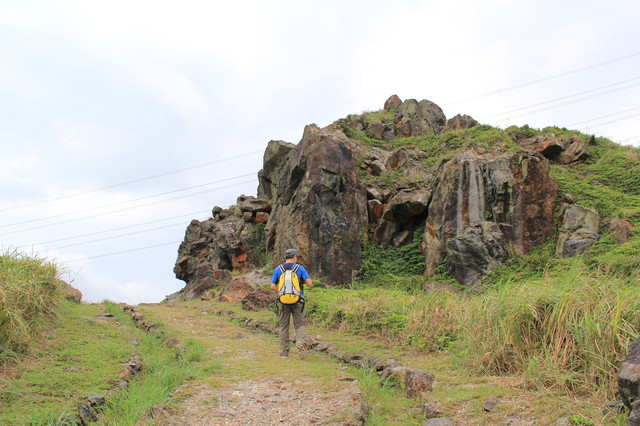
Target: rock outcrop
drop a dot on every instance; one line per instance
(320, 206)
(226, 242)
(514, 192)
(353, 180)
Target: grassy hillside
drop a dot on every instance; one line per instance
(562, 324)
(547, 328)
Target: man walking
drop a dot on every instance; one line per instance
(285, 311)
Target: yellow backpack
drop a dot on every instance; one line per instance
(289, 285)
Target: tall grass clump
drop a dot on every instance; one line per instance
(29, 294)
(568, 330)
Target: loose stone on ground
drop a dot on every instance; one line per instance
(270, 402)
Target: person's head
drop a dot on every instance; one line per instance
(290, 254)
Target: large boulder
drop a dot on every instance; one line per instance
(473, 253)
(253, 205)
(422, 118)
(320, 207)
(461, 122)
(560, 150)
(515, 191)
(392, 102)
(578, 229)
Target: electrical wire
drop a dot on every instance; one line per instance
(121, 252)
(125, 202)
(547, 78)
(602, 116)
(567, 97)
(125, 209)
(116, 229)
(90, 191)
(119, 236)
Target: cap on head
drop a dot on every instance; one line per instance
(289, 253)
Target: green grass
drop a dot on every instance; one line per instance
(29, 295)
(165, 368)
(79, 355)
(388, 405)
(83, 354)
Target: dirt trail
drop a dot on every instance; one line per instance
(251, 384)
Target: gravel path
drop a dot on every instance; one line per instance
(270, 402)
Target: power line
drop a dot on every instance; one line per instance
(540, 80)
(602, 116)
(615, 121)
(125, 209)
(121, 252)
(131, 181)
(126, 201)
(567, 97)
(116, 229)
(119, 236)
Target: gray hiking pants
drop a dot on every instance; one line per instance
(284, 314)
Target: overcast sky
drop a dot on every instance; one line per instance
(121, 121)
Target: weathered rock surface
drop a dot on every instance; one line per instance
(579, 227)
(629, 376)
(404, 213)
(475, 251)
(258, 299)
(620, 229)
(320, 207)
(237, 290)
(560, 150)
(419, 118)
(275, 156)
(477, 208)
(417, 381)
(516, 192)
(461, 122)
(222, 243)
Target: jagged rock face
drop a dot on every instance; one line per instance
(275, 156)
(320, 207)
(222, 243)
(516, 192)
(578, 231)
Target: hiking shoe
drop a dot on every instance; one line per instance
(284, 355)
